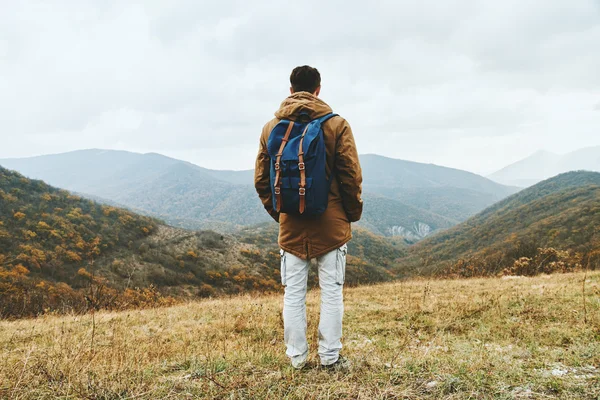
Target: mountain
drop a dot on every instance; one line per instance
(448, 192)
(409, 199)
(61, 252)
(543, 165)
(555, 221)
(390, 217)
(179, 192)
(383, 173)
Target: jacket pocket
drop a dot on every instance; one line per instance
(282, 270)
(340, 265)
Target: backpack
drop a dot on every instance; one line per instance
(299, 182)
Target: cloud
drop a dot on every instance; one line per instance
(449, 83)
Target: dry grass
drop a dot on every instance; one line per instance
(478, 338)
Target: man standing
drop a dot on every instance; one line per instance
(324, 236)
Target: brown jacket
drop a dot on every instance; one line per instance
(312, 237)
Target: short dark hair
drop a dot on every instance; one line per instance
(305, 79)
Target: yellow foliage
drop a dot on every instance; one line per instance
(107, 211)
(126, 219)
(192, 254)
(19, 216)
(75, 214)
(43, 225)
(20, 270)
(83, 272)
(72, 256)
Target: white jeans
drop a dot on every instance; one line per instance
(294, 276)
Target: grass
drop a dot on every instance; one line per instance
(456, 339)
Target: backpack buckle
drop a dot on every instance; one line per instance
(302, 192)
(301, 166)
(277, 190)
(276, 166)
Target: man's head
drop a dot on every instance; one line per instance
(305, 79)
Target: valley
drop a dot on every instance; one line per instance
(401, 195)
(60, 252)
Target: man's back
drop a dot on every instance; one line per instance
(309, 237)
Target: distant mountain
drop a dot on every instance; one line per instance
(179, 192)
(60, 252)
(409, 199)
(390, 217)
(448, 192)
(562, 213)
(382, 173)
(543, 165)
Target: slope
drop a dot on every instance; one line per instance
(455, 194)
(562, 213)
(179, 192)
(383, 173)
(389, 217)
(526, 338)
(60, 252)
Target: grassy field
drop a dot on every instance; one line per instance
(479, 338)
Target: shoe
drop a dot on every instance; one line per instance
(298, 362)
(341, 364)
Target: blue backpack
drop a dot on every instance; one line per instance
(299, 181)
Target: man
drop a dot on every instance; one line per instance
(323, 237)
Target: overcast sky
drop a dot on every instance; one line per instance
(469, 84)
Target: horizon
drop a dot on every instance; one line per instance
(488, 176)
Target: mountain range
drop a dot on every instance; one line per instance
(544, 164)
(61, 252)
(403, 198)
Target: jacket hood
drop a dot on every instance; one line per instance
(302, 103)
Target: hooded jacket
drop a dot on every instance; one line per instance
(310, 237)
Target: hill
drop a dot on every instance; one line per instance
(552, 225)
(179, 192)
(60, 252)
(417, 339)
(384, 173)
(454, 194)
(390, 217)
(189, 196)
(543, 165)
(370, 257)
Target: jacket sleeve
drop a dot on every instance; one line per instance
(349, 173)
(262, 178)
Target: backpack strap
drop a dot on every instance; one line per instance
(302, 169)
(326, 117)
(277, 184)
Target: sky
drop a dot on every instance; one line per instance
(469, 84)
